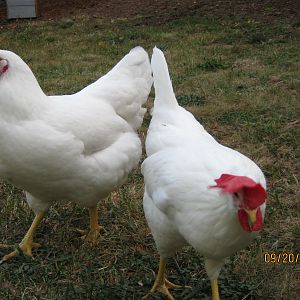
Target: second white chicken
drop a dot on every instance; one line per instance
(198, 192)
(76, 147)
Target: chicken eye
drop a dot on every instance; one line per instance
(236, 200)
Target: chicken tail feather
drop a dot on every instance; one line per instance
(164, 93)
(126, 87)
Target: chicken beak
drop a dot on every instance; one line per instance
(251, 215)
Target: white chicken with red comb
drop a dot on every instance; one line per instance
(198, 192)
(77, 147)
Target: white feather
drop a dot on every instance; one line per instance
(73, 147)
(183, 162)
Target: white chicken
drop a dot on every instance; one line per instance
(76, 147)
(197, 192)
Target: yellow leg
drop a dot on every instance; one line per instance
(94, 232)
(215, 289)
(161, 284)
(27, 243)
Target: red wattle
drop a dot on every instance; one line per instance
(259, 221)
(244, 221)
(243, 218)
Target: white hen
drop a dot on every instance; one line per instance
(76, 147)
(197, 192)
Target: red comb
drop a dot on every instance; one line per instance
(254, 193)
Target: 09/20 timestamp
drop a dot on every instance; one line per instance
(281, 258)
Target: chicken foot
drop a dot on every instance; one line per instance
(94, 232)
(27, 243)
(161, 284)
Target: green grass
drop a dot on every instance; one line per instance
(241, 80)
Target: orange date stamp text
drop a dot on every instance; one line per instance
(281, 258)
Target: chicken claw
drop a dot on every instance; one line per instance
(94, 233)
(162, 284)
(27, 243)
(25, 247)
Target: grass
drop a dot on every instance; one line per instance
(241, 80)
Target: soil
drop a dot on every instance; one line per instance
(160, 11)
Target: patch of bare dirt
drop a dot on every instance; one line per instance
(160, 11)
